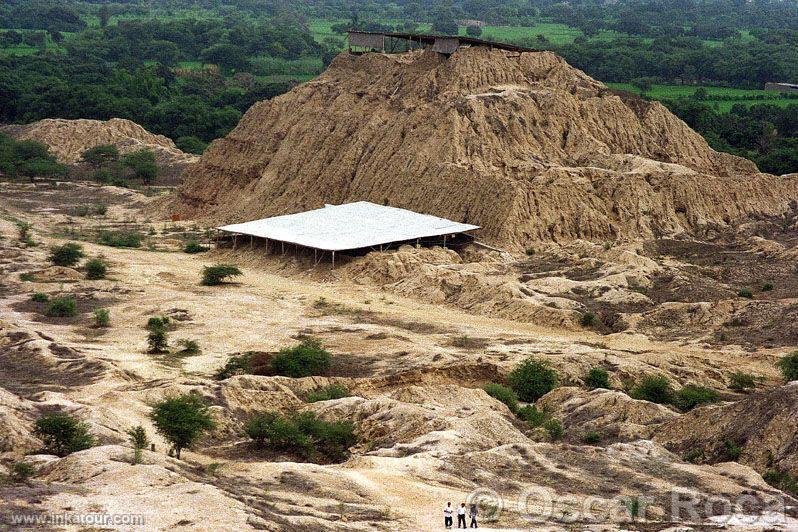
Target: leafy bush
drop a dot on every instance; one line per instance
(62, 434)
(68, 254)
(503, 394)
(157, 322)
(62, 307)
(789, 366)
(96, 268)
(191, 145)
(731, 450)
(304, 360)
(104, 176)
(182, 420)
(554, 428)
(142, 162)
(782, 480)
(23, 229)
(532, 415)
(303, 434)
(101, 209)
(532, 379)
(656, 389)
(102, 317)
(216, 274)
(139, 440)
(740, 382)
(333, 391)
(692, 395)
(188, 347)
(597, 378)
(767, 287)
(693, 455)
(120, 239)
(22, 471)
(157, 341)
(746, 293)
(39, 297)
(101, 155)
(591, 438)
(588, 319)
(235, 365)
(192, 246)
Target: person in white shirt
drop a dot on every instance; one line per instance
(461, 515)
(447, 515)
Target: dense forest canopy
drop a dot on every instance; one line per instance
(189, 68)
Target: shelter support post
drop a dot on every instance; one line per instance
(444, 241)
(251, 241)
(333, 259)
(235, 241)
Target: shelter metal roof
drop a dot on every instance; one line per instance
(351, 226)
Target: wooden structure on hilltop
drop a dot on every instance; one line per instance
(381, 41)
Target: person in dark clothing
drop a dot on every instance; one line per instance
(473, 514)
(461, 515)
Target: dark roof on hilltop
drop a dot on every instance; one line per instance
(429, 38)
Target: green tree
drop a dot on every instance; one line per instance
(654, 388)
(532, 379)
(142, 162)
(597, 378)
(304, 360)
(502, 394)
(68, 254)
(62, 434)
(139, 440)
(101, 155)
(216, 274)
(789, 366)
(96, 268)
(182, 420)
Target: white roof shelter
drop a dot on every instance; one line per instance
(351, 226)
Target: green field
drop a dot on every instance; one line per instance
(724, 97)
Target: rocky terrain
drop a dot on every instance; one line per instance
(619, 242)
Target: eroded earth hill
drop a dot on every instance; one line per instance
(524, 145)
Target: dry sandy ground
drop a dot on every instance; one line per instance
(440, 437)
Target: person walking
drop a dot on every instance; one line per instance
(447, 515)
(461, 515)
(473, 514)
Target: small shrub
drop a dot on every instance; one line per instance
(303, 434)
(741, 382)
(188, 347)
(157, 322)
(104, 176)
(182, 420)
(23, 229)
(782, 480)
(656, 389)
(39, 297)
(96, 268)
(789, 366)
(27, 277)
(142, 162)
(503, 394)
(192, 246)
(68, 254)
(468, 342)
(591, 438)
(597, 378)
(554, 428)
(693, 455)
(529, 251)
(746, 293)
(235, 365)
(327, 393)
(767, 287)
(216, 275)
(62, 434)
(101, 155)
(100, 209)
(532, 415)
(732, 450)
(692, 395)
(62, 307)
(82, 211)
(22, 471)
(139, 440)
(588, 319)
(102, 317)
(532, 379)
(304, 360)
(157, 341)
(120, 239)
